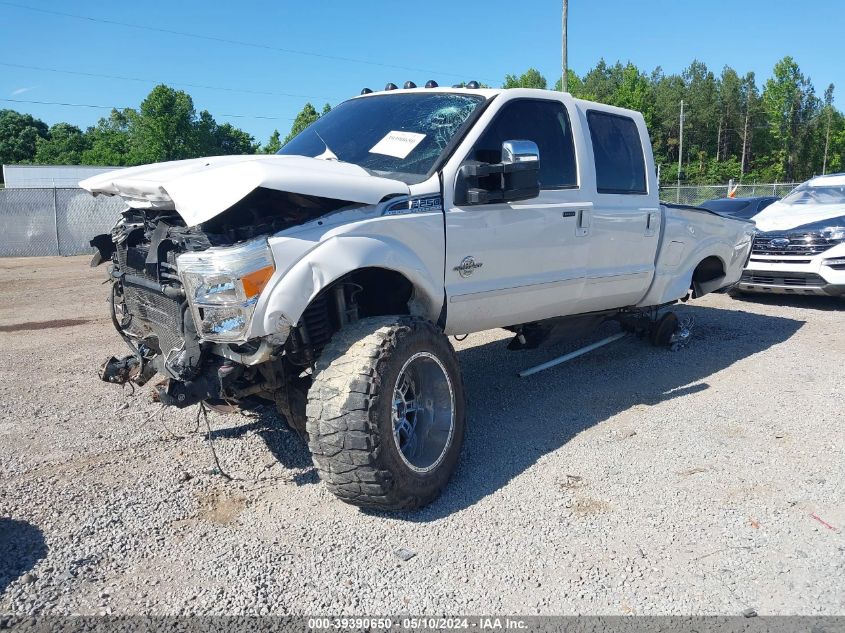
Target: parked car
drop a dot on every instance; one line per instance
(800, 247)
(745, 208)
(326, 279)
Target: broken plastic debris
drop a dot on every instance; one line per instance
(824, 523)
(404, 553)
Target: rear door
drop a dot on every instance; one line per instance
(508, 263)
(625, 223)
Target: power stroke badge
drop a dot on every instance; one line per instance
(467, 266)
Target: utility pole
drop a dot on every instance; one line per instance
(680, 153)
(563, 46)
(744, 145)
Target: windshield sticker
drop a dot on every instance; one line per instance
(397, 144)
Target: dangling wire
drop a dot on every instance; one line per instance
(131, 389)
(159, 413)
(201, 411)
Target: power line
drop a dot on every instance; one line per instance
(224, 40)
(155, 81)
(105, 107)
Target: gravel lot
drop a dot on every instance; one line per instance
(633, 480)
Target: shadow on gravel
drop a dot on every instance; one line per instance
(282, 441)
(809, 302)
(512, 422)
(21, 547)
(286, 445)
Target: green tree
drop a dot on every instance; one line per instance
(701, 120)
(64, 145)
(109, 141)
(19, 134)
(531, 78)
(306, 117)
(634, 92)
(274, 144)
(790, 103)
(731, 121)
(214, 139)
(573, 83)
(164, 128)
(601, 82)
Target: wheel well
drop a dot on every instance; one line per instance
(383, 292)
(366, 292)
(709, 269)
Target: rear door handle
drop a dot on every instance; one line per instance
(652, 221)
(582, 222)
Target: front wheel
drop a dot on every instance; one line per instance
(386, 413)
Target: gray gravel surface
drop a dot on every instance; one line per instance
(633, 480)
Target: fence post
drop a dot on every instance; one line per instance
(56, 218)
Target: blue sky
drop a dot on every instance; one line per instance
(443, 40)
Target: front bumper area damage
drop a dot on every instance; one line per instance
(151, 311)
(185, 307)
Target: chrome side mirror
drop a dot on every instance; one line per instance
(520, 152)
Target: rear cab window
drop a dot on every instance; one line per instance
(618, 154)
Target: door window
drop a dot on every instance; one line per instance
(544, 122)
(618, 152)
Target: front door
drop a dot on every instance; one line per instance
(509, 263)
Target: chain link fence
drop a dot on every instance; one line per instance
(53, 221)
(696, 194)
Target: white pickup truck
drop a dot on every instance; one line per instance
(327, 278)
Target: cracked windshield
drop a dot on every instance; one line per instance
(396, 136)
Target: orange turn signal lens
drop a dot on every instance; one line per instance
(255, 281)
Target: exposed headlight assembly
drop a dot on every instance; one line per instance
(223, 284)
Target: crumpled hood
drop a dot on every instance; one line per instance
(781, 217)
(202, 188)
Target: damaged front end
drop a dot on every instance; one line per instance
(183, 299)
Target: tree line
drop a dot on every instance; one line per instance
(732, 128)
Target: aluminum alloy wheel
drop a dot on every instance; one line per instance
(423, 412)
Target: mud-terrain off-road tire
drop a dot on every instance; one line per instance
(353, 411)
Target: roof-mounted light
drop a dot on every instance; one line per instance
(366, 91)
(431, 83)
(390, 86)
(409, 84)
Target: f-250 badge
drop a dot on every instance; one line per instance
(467, 266)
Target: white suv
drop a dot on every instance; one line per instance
(800, 246)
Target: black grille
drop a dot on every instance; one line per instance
(131, 260)
(797, 280)
(154, 313)
(807, 244)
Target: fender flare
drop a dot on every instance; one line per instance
(287, 296)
